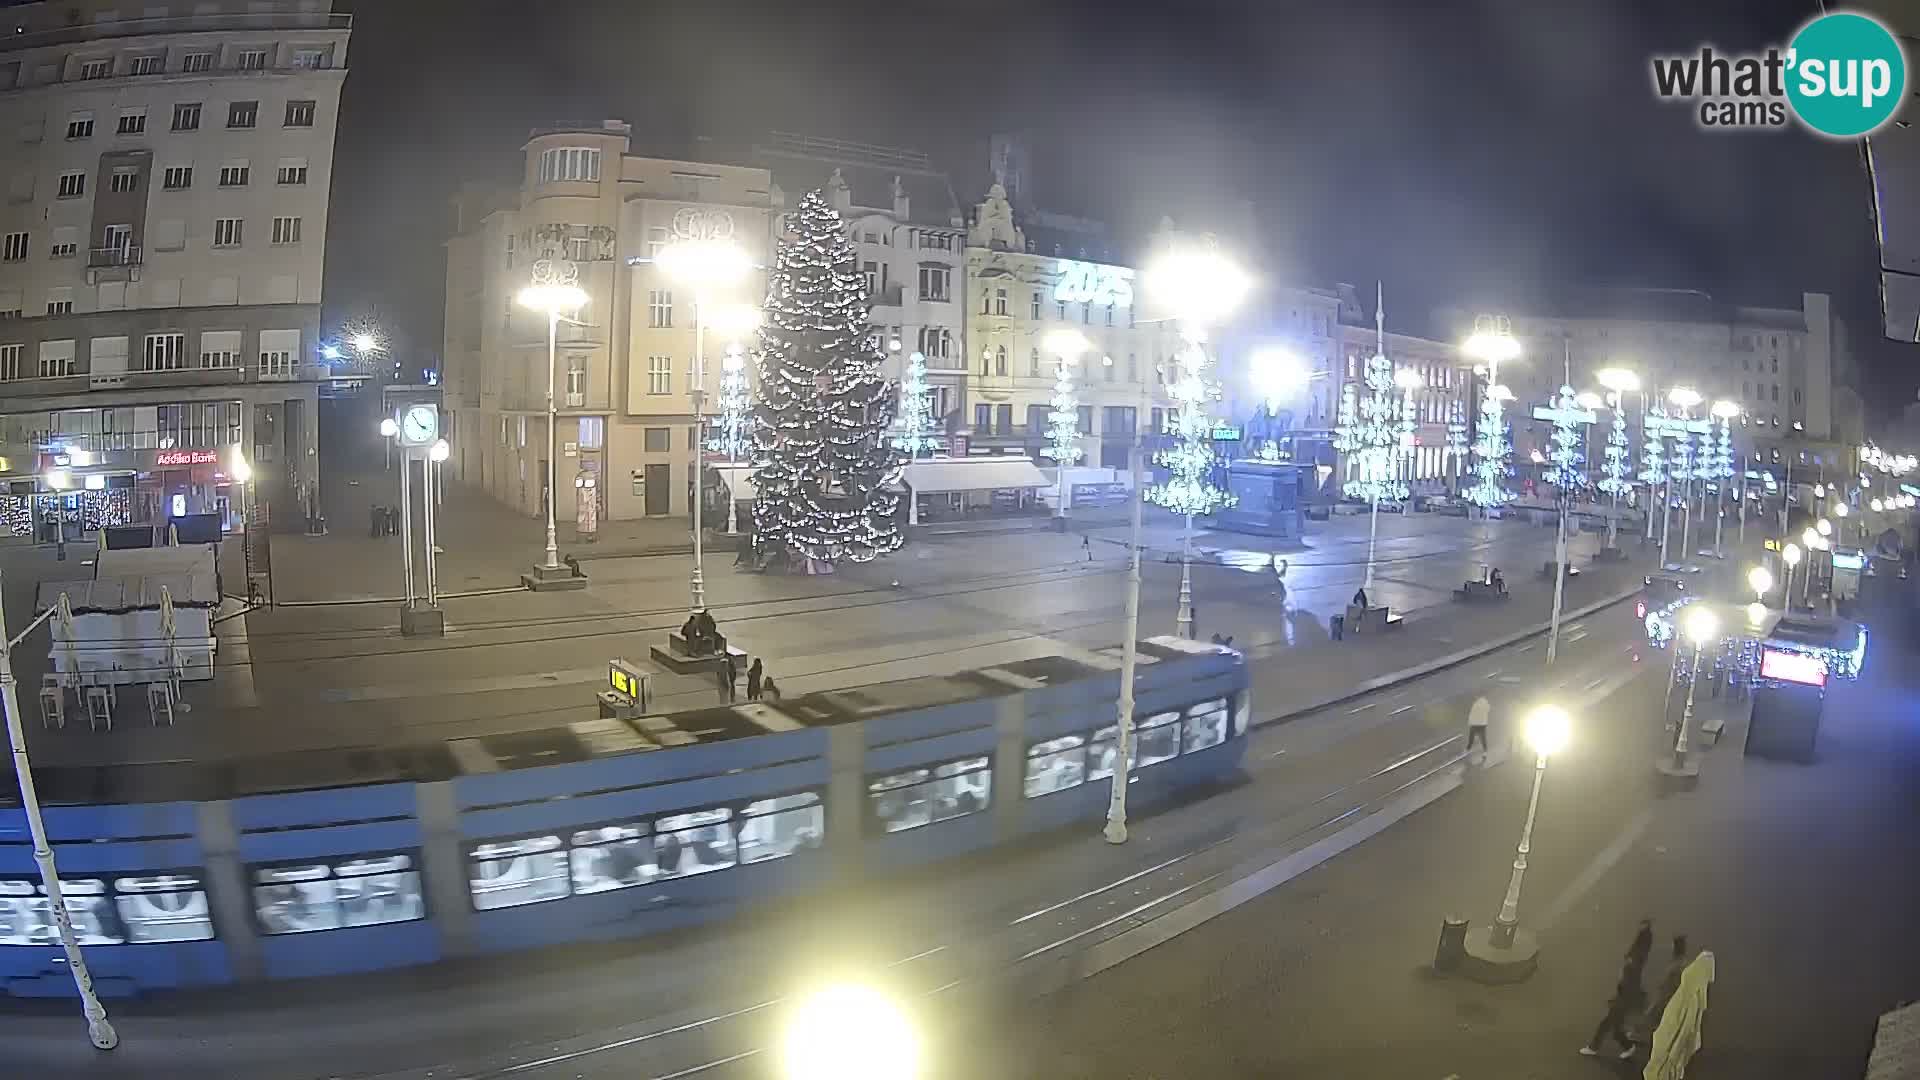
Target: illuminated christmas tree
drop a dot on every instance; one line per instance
(1063, 420)
(916, 409)
(1617, 462)
(1190, 461)
(1492, 447)
(824, 471)
(1566, 464)
(1457, 437)
(1376, 436)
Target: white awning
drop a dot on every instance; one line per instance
(973, 474)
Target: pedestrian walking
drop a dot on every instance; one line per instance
(726, 674)
(1669, 982)
(1628, 995)
(1642, 946)
(1677, 1038)
(1193, 622)
(1086, 545)
(755, 672)
(1360, 598)
(1477, 716)
(374, 528)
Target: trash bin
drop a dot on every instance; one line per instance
(1453, 944)
(1337, 627)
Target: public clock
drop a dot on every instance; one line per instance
(419, 425)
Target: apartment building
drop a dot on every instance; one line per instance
(162, 242)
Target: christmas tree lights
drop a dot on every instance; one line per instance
(732, 435)
(1491, 449)
(823, 466)
(1191, 460)
(1456, 437)
(916, 410)
(1375, 437)
(1616, 463)
(1565, 462)
(1063, 420)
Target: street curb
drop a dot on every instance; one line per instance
(1441, 663)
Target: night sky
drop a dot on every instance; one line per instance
(1465, 152)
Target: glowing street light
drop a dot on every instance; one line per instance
(1684, 397)
(1876, 505)
(1277, 373)
(554, 290)
(1790, 555)
(850, 1032)
(1825, 527)
(1547, 729)
(1760, 579)
(1840, 510)
(1700, 626)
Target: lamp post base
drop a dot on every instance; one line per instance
(551, 579)
(422, 620)
(1674, 774)
(1485, 962)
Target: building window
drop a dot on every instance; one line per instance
(580, 164)
(66, 249)
(123, 179)
(196, 61)
(1000, 360)
(1085, 422)
(660, 309)
(80, 125)
(1796, 397)
(132, 122)
(593, 432)
(220, 349)
(310, 59)
(579, 248)
(235, 174)
(999, 301)
(1109, 314)
(186, 117)
(294, 173)
(148, 65)
(656, 240)
(12, 358)
(1060, 310)
(177, 178)
(935, 342)
(243, 114)
(299, 114)
(1106, 365)
(286, 230)
(1776, 365)
(1133, 368)
(1086, 313)
(656, 440)
(15, 248)
(117, 240)
(934, 280)
(56, 358)
(1033, 311)
(227, 232)
(1033, 363)
(251, 60)
(277, 351)
(73, 185)
(983, 419)
(60, 301)
(164, 352)
(96, 69)
(659, 375)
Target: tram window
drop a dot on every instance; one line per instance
(1157, 738)
(1101, 753)
(694, 843)
(1056, 765)
(365, 890)
(509, 873)
(776, 828)
(908, 800)
(612, 857)
(1206, 724)
(160, 907)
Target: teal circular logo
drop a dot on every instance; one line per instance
(1846, 75)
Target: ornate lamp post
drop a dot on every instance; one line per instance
(555, 289)
(1699, 626)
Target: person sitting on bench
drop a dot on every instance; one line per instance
(709, 632)
(1494, 579)
(1360, 598)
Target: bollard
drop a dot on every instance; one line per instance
(1453, 944)
(1337, 627)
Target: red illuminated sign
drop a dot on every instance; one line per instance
(173, 459)
(1793, 667)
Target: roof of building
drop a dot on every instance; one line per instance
(805, 163)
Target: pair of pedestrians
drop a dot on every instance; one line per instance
(759, 684)
(1674, 1016)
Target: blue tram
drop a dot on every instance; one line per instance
(334, 862)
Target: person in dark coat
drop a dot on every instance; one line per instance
(726, 673)
(770, 690)
(1642, 945)
(1628, 996)
(374, 528)
(1360, 597)
(755, 672)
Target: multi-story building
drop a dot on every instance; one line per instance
(1045, 272)
(1445, 388)
(624, 369)
(910, 239)
(1790, 370)
(162, 241)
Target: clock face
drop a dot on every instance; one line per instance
(419, 425)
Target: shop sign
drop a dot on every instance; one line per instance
(175, 459)
(1093, 283)
(1226, 433)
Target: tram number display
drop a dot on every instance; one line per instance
(1793, 667)
(623, 678)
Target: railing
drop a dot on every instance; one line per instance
(121, 255)
(890, 296)
(177, 24)
(81, 381)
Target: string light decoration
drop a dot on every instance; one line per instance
(1345, 424)
(1190, 460)
(1063, 420)
(1375, 437)
(1680, 466)
(732, 435)
(916, 409)
(1492, 447)
(1566, 465)
(1457, 436)
(823, 468)
(1653, 453)
(1617, 461)
(1721, 462)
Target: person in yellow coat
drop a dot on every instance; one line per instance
(1678, 1037)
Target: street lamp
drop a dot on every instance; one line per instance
(1876, 505)
(554, 290)
(1547, 730)
(850, 1032)
(1791, 556)
(1683, 398)
(1700, 626)
(1760, 579)
(1064, 418)
(1276, 374)
(1621, 382)
(704, 265)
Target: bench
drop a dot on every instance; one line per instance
(680, 660)
(678, 643)
(1480, 592)
(1549, 568)
(1376, 619)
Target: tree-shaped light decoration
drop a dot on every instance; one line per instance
(1491, 449)
(824, 472)
(1063, 418)
(732, 436)
(1376, 436)
(1653, 460)
(1346, 431)
(916, 409)
(1616, 463)
(1190, 460)
(1456, 437)
(1566, 464)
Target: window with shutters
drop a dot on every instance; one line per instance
(299, 114)
(186, 117)
(12, 360)
(286, 230)
(196, 61)
(124, 179)
(96, 69)
(56, 358)
(293, 172)
(15, 248)
(235, 174)
(148, 65)
(73, 185)
(177, 178)
(164, 352)
(243, 114)
(80, 125)
(251, 60)
(132, 122)
(220, 349)
(226, 232)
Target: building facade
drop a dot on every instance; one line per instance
(163, 242)
(1445, 389)
(624, 370)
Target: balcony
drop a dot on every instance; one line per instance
(890, 296)
(177, 24)
(180, 378)
(120, 255)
